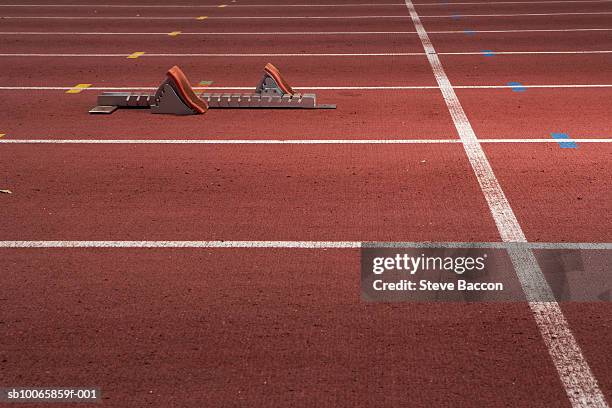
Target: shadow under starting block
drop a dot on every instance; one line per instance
(176, 96)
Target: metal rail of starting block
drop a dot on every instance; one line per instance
(302, 101)
(168, 99)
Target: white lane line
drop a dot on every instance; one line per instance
(139, 6)
(175, 6)
(181, 244)
(252, 55)
(375, 54)
(492, 3)
(316, 88)
(221, 88)
(362, 54)
(208, 18)
(532, 86)
(237, 141)
(545, 30)
(531, 52)
(219, 33)
(293, 17)
(575, 374)
(288, 141)
(599, 140)
(520, 14)
(301, 244)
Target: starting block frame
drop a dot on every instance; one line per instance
(175, 96)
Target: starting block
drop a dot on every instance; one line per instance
(176, 96)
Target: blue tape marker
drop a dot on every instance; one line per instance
(564, 145)
(488, 53)
(469, 32)
(517, 87)
(455, 16)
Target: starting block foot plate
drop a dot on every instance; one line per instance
(103, 109)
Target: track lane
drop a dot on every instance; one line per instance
(207, 44)
(564, 199)
(224, 327)
(239, 10)
(592, 326)
(248, 192)
(581, 113)
(313, 25)
(65, 116)
(212, 25)
(228, 11)
(312, 10)
(499, 8)
(466, 70)
(223, 71)
(550, 41)
(517, 23)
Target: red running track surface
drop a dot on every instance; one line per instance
(287, 327)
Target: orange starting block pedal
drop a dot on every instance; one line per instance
(176, 96)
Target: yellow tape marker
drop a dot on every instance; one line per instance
(2, 134)
(222, 5)
(78, 88)
(135, 55)
(202, 18)
(174, 33)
